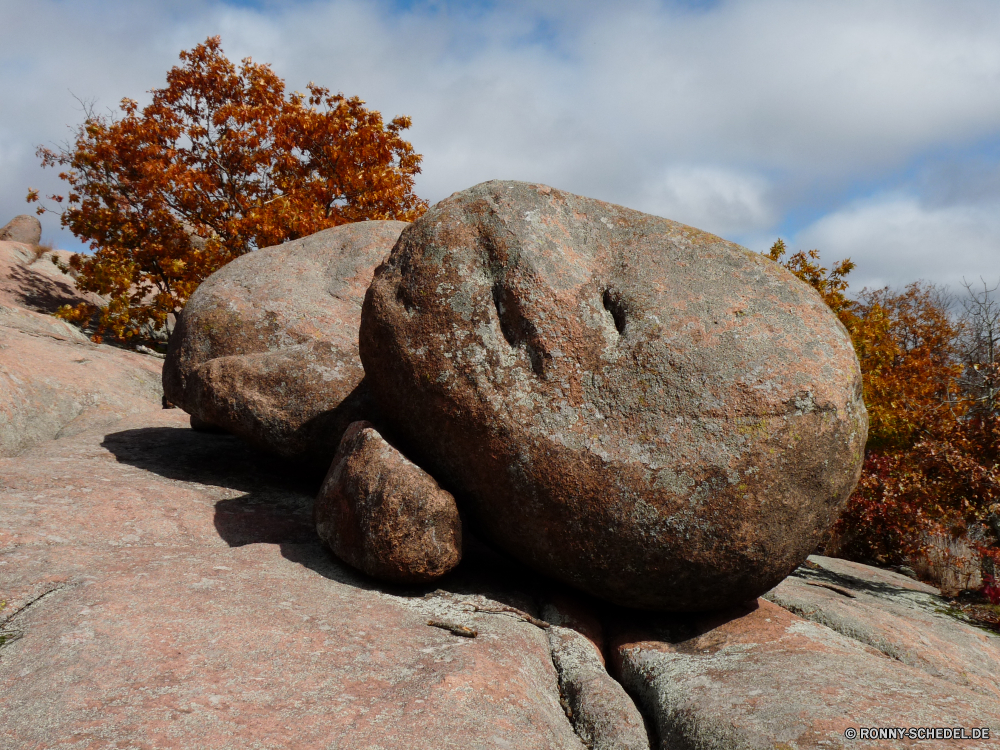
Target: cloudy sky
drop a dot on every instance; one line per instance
(868, 130)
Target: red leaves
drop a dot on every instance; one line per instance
(220, 162)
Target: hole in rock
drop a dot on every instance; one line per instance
(510, 333)
(517, 329)
(613, 304)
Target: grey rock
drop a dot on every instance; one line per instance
(23, 228)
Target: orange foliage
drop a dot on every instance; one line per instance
(219, 163)
(932, 463)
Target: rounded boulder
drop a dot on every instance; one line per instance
(24, 228)
(639, 408)
(267, 346)
(382, 514)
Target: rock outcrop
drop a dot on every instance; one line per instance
(24, 228)
(267, 347)
(764, 677)
(645, 411)
(54, 381)
(164, 587)
(383, 515)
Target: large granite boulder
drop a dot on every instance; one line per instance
(384, 515)
(636, 407)
(23, 228)
(267, 346)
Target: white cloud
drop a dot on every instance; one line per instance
(728, 118)
(894, 239)
(717, 200)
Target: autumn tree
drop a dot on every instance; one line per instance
(219, 163)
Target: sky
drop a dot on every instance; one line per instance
(861, 129)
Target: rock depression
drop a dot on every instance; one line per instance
(643, 410)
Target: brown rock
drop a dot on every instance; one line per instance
(167, 590)
(384, 515)
(267, 347)
(31, 281)
(24, 228)
(641, 409)
(762, 678)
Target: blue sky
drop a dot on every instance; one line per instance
(868, 130)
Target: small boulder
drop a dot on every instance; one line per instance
(24, 228)
(641, 409)
(267, 346)
(384, 515)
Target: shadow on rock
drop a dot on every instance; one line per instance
(42, 293)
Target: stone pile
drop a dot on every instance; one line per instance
(642, 410)
(164, 587)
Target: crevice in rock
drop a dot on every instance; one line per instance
(612, 302)
(9, 634)
(518, 331)
(602, 713)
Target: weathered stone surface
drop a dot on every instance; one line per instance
(900, 617)
(641, 409)
(602, 713)
(384, 515)
(54, 382)
(185, 601)
(267, 347)
(762, 678)
(24, 228)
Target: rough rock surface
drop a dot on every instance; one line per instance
(55, 382)
(30, 280)
(895, 615)
(763, 678)
(165, 588)
(267, 347)
(602, 713)
(384, 515)
(23, 228)
(643, 410)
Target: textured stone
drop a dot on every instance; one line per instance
(384, 515)
(24, 228)
(762, 678)
(267, 347)
(55, 382)
(165, 588)
(31, 281)
(643, 410)
(900, 617)
(602, 713)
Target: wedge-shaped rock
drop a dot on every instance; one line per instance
(267, 346)
(639, 408)
(384, 515)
